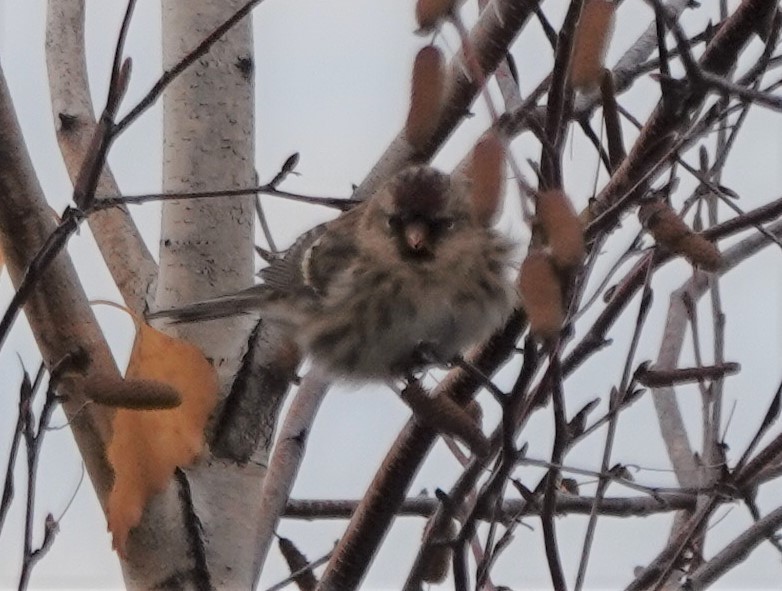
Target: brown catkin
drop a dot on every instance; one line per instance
(593, 34)
(486, 172)
(562, 227)
(132, 393)
(663, 223)
(445, 415)
(430, 12)
(700, 252)
(541, 294)
(426, 96)
(438, 555)
(670, 231)
(297, 561)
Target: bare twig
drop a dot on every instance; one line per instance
(288, 454)
(170, 75)
(735, 552)
(267, 189)
(292, 578)
(34, 432)
(615, 400)
(549, 497)
(662, 502)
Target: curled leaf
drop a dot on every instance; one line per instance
(147, 446)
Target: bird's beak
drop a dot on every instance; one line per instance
(416, 236)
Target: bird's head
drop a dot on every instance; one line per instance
(417, 213)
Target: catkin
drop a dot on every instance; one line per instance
(541, 294)
(670, 231)
(297, 562)
(438, 555)
(487, 179)
(430, 12)
(445, 415)
(562, 227)
(132, 393)
(426, 96)
(593, 34)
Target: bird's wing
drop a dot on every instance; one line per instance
(315, 259)
(252, 299)
(285, 273)
(291, 284)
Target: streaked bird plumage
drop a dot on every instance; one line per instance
(407, 272)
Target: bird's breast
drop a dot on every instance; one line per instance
(376, 322)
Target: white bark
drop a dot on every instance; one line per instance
(127, 257)
(202, 532)
(57, 310)
(669, 416)
(288, 456)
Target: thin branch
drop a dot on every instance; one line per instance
(170, 75)
(615, 400)
(34, 432)
(268, 189)
(498, 25)
(560, 98)
(735, 552)
(549, 497)
(664, 502)
(292, 578)
(127, 257)
(287, 456)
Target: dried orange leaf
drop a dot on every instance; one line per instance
(426, 96)
(147, 446)
(487, 178)
(591, 41)
(541, 294)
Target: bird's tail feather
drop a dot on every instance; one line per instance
(253, 300)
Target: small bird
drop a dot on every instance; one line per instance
(406, 279)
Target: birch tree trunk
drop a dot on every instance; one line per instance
(202, 532)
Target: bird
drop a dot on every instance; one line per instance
(406, 279)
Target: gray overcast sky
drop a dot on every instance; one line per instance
(332, 84)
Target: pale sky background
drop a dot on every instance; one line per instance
(332, 81)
